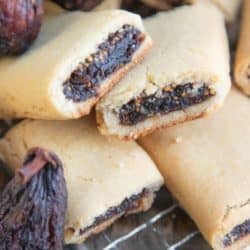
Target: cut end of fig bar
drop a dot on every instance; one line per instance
(111, 55)
(167, 106)
(171, 98)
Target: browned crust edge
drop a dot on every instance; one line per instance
(134, 136)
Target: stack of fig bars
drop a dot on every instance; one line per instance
(83, 80)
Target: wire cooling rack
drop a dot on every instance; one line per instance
(164, 226)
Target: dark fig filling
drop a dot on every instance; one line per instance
(85, 5)
(146, 10)
(171, 98)
(237, 233)
(177, 3)
(111, 55)
(127, 205)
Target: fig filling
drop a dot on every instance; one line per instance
(237, 233)
(171, 98)
(128, 205)
(177, 3)
(111, 55)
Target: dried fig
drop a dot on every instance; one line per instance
(84, 5)
(20, 22)
(138, 7)
(33, 205)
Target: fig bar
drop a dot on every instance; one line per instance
(185, 77)
(242, 62)
(105, 178)
(206, 167)
(77, 58)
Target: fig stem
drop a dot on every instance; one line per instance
(40, 159)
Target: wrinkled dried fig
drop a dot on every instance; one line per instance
(84, 5)
(20, 22)
(33, 205)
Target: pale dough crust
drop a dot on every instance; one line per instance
(206, 167)
(181, 54)
(31, 85)
(100, 173)
(242, 59)
(229, 7)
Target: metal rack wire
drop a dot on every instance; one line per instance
(165, 226)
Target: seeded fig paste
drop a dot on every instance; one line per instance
(177, 3)
(171, 98)
(128, 205)
(111, 55)
(237, 233)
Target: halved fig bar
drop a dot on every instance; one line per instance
(186, 75)
(206, 167)
(77, 58)
(105, 178)
(242, 59)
